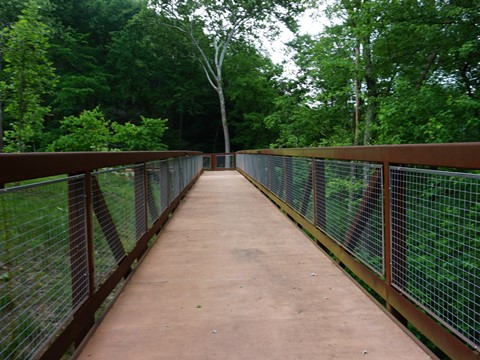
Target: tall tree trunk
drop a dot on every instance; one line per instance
(426, 68)
(223, 112)
(372, 91)
(358, 85)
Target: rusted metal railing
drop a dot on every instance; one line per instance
(404, 219)
(68, 240)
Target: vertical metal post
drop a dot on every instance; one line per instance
(89, 232)
(164, 194)
(387, 248)
(284, 166)
(314, 191)
(213, 161)
(82, 249)
(77, 238)
(389, 187)
(140, 203)
(320, 195)
(169, 185)
(289, 180)
(399, 244)
(152, 206)
(306, 191)
(271, 170)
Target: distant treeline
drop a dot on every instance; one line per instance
(112, 75)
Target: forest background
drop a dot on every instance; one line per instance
(95, 75)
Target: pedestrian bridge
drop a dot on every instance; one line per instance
(148, 256)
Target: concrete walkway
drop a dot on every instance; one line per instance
(232, 278)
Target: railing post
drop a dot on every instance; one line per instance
(388, 186)
(152, 206)
(89, 231)
(164, 185)
(288, 180)
(271, 169)
(140, 201)
(320, 195)
(78, 241)
(307, 192)
(398, 225)
(213, 161)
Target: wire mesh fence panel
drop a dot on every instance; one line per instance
(436, 244)
(207, 162)
(264, 170)
(354, 208)
(154, 191)
(164, 184)
(299, 186)
(256, 166)
(181, 171)
(261, 169)
(174, 177)
(276, 175)
(43, 262)
(225, 161)
(194, 167)
(245, 162)
(113, 200)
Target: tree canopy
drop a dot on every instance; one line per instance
(380, 72)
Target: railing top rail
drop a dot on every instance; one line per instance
(458, 155)
(17, 167)
(219, 153)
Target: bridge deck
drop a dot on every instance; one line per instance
(231, 278)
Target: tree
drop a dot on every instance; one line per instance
(144, 137)
(402, 72)
(81, 37)
(29, 75)
(154, 75)
(251, 87)
(9, 10)
(317, 108)
(212, 25)
(88, 132)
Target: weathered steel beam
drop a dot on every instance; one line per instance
(17, 167)
(459, 155)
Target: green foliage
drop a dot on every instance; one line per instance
(251, 88)
(416, 65)
(29, 75)
(443, 238)
(87, 132)
(144, 137)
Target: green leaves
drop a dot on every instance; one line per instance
(91, 131)
(145, 137)
(87, 132)
(29, 75)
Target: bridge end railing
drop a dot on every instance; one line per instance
(219, 161)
